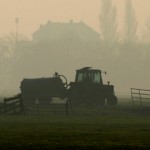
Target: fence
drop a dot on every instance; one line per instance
(13, 105)
(66, 103)
(54, 106)
(140, 97)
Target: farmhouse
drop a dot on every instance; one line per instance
(71, 31)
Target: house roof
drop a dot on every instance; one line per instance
(53, 30)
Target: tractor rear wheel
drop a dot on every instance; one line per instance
(75, 98)
(102, 101)
(112, 100)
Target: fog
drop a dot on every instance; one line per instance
(38, 38)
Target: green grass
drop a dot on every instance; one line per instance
(120, 127)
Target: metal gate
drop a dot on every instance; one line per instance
(140, 97)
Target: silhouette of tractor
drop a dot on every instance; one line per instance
(88, 88)
(44, 89)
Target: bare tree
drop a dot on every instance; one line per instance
(130, 24)
(12, 40)
(108, 25)
(9, 54)
(146, 33)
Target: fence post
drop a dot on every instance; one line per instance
(37, 105)
(67, 107)
(22, 110)
(14, 107)
(53, 105)
(140, 97)
(0, 109)
(132, 98)
(5, 107)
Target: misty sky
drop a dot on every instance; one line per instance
(32, 13)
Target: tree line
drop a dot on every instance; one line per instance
(109, 25)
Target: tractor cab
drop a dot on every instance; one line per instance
(89, 89)
(88, 75)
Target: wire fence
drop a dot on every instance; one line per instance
(54, 107)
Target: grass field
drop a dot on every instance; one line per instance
(119, 127)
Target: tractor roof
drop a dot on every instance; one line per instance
(88, 69)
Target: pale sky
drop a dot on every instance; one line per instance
(32, 13)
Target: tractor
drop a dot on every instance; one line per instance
(89, 89)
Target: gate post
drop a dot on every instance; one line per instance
(67, 107)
